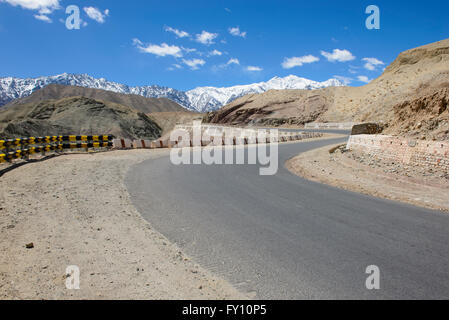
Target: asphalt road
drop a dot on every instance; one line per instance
(282, 237)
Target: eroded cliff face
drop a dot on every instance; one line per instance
(425, 117)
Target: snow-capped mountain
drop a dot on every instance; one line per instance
(15, 88)
(203, 99)
(206, 99)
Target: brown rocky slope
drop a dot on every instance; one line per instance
(76, 115)
(425, 117)
(168, 120)
(141, 104)
(275, 107)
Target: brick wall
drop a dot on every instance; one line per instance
(408, 151)
(340, 125)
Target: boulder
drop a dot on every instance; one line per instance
(366, 128)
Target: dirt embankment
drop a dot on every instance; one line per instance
(76, 211)
(362, 173)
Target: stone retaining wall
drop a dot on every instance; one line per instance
(408, 151)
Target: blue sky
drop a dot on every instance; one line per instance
(141, 42)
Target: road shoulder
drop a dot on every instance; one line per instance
(344, 171)
(75, 210)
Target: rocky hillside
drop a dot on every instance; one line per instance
(425, 117)
(139, 103)
(275, 108)
(76, 115)
(414, 75)
(168, 120)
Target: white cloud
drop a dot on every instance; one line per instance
(174, 67)
(292, 62)
(233, 61)
(338, 55)
(236, 32)
(137, 42)
(44, 7)
(159, 50)
(228, 10)
(227, 64)
(253, 68)
(344, 80)
(353, 69)
(40, 5)
(206, 38)
(363, 79)
(96, 14)
(188, 50)
(178, 33)
(43, 17)
(194, 64)
(371, 63)
(215, 53)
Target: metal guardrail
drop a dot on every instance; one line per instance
(24, 148)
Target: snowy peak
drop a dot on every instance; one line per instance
(202, 99)
(206, 99)
(15, 88)
(294, 82)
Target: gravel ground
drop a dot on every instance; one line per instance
(75, 210)
(365, 174)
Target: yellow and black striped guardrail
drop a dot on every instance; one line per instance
(23, 147)
(49, 139)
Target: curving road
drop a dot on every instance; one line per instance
(282, 237)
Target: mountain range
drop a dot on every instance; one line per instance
(137, 102)
(202, 99)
